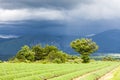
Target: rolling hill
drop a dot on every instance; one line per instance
(108, 42)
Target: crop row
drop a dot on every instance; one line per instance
(41, 72)
(54, 74)
(116, 74)
(48, 71)
(97, 74)
(80, 73)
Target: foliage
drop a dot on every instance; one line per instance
(85, 47)
(72, 57)
(58, 57)
(108, 58)
(56, 60)
(48, 53)
(51, 53)
(77, 61)
(39, 52)
(25, 54)
(14, 60)
(0, 61)
(48, 49)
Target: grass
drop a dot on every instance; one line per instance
(97, 74)
(36, 71)
(116, 75)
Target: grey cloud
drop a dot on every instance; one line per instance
(15, 4)
(12, 10)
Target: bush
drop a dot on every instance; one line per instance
(56, 60)
(25, 54)
(0, 61)
(77, 61)
(108, 58)
(42, 52)
(57, 56)
(15, 60)
(39, 52)
(71, 57)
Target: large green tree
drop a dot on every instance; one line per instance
(42, 52)
(25, 54)
(85, 47)
(50, 48)
(39, 52)
(59, 55)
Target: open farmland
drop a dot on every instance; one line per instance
(116, 75)
(37, 71)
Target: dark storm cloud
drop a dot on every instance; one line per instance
(17, 10)
(79, 15)
(15, 4)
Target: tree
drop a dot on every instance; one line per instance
(58, 56)
(85, 47)
(25, 54)
(39, 52)
(108, 58)
(50, 48)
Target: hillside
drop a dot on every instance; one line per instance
(10, 47)
(108, 42)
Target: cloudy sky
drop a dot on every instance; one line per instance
(73, 17)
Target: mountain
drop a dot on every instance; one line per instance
(108, 42)
(10, 47)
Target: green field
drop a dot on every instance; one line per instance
(116, 74)
(37, 71)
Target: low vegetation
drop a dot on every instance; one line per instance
(0, 61)
(116, 75)
(36, 71)
(49, 53)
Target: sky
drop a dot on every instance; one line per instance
(70, 17)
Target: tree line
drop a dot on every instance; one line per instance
(51, 53)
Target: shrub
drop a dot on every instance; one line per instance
(56, 60)
(0, 61)
(25, 54)
(108, 58)
(54, 56)
(77, 61)
(14, 60)
(39, 52)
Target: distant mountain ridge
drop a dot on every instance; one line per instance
(108, 42)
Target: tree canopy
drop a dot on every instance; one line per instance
(37, 52)
(25, 53)
(85, 47)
